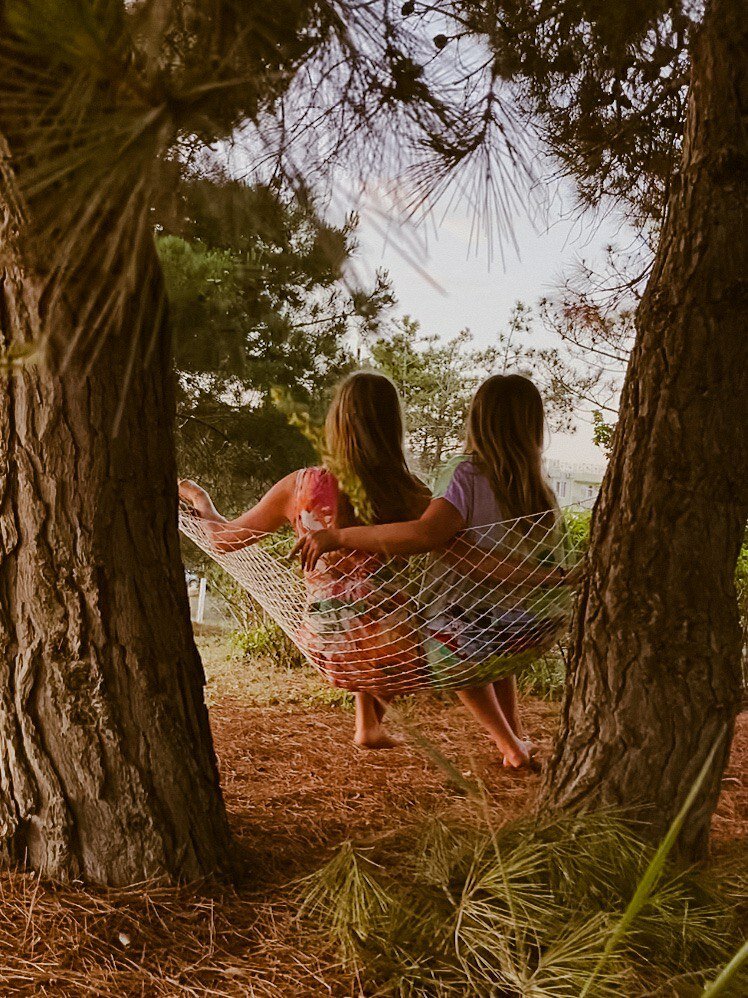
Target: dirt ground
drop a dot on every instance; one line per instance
(295, 789)
(296, 786)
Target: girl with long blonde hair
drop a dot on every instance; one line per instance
(365, 479)
(499, 478)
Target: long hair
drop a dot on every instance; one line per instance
(364, 434)
(505, 429)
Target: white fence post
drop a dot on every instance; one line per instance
(201, 600)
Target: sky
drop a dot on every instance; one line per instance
(443, 277)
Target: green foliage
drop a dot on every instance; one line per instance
(349, 894)
(607, 81)
(255, 307)
(326, 695)
(258, 681)
(728, 976)
(544, 677)
(649, 880)
(203, 288)
(113, 95)
(602, 432)
(577, 524)
(109, 92)
(266, 640)
(273, 656)
(437, 379)
(265, 646)
(526, 909)
(261, 642)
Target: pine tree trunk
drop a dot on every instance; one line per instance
(655, 659)
(107, 769)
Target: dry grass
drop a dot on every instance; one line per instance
(153, 941)
(295, 788)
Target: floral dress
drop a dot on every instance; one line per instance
(360, 628)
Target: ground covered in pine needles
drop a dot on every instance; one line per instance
(295, 789)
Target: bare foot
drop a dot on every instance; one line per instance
(523, 757)
(377, 740)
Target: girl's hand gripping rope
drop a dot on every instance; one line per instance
(313, 545)
(192, 494)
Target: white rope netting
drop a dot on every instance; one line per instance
(496, 597)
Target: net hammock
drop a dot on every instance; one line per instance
(464, 616)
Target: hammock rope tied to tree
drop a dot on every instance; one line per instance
(464, 616)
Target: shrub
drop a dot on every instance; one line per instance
(265, 639)
(577, 532)
(544, 677)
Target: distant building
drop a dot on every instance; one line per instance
(574, 483)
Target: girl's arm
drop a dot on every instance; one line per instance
(435, 529)
(438, 525)
(483, 566)
(271, 512)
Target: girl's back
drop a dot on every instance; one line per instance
(463, 485)
(482, 621)
(316, 506)
(360, 628)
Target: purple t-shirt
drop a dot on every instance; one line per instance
(471, 494)
(475, 620)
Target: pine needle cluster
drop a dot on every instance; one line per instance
(528, 909)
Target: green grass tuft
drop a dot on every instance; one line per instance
(544, 677)
(266, 640)
(347, 896)
(551, 908)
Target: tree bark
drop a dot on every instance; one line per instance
(654, 675)
(107, 768)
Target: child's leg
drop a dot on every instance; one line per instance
(370, 732)
(484, 706)
(380, 705)
(506, 694)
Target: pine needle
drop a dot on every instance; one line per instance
(653, 872)
(728, 974)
